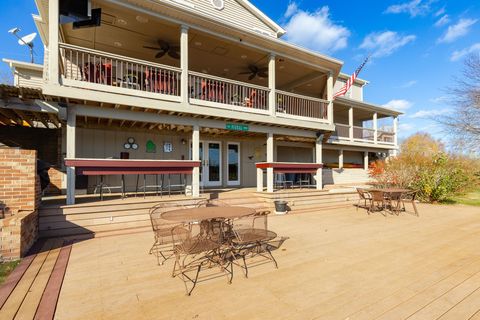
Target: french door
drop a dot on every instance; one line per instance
(211, 163)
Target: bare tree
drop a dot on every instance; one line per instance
(463, 125)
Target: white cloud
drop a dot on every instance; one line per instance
(291, 10)
(430, 113)
(413, 8)
(440, 12)
(458, 30)
(398, 104)
(458, 54)
(408, 84)
(440, 99)
(315, 30)
(445, 19)
(405, 127)
(383, 44)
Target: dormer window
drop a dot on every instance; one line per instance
(218, 4)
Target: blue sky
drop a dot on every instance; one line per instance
(417, 45)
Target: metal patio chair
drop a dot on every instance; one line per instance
(198, 247)
(378, 201)
(409, 197)
(162, 247)
(364, 196)
(250, 239)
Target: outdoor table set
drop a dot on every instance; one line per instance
(209, 236)
(392, 199)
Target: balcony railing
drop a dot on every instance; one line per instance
(342, 130)
(207, 88)
(301, 106)
(387, 137)
(361, 133)
(92, 66)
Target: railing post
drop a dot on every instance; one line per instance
(395, 135)
(270, 150)
(319, 159)
(184, 63)
(70, 152)
(330, 97)
(53, 46)
(340, 159)
(272, 102)
(365, 160)
(375, 128)
(350, 123)
(196, 157)
(259, 180)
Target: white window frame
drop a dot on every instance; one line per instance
(236, 182)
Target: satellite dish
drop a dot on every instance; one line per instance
(28, 39)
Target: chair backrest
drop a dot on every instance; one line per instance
(280, 177)
(409, 196)
(361, 193)
(156, 211)
(217, 203)
(377, 195)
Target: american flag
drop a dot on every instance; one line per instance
(350, 80)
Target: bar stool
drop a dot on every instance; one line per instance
(158, 186)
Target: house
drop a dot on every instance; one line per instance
(207, 81)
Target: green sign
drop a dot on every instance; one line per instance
(236, 127)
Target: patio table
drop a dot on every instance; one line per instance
(394, 194)
(207, 213)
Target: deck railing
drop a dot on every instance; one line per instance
(209, 88)
(385, 136)
(342, 130)
(361, 133)
(88, 65)
(301, 106)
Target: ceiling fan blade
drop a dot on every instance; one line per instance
(252, 76)
(173, 54)
(253, 68)
(163, 44)
(153, 48)
(262, 74)
(160, 54)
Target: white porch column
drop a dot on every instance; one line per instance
(365, 160)
(375, 128)
(270, 147)
(340, 159)
(71, 126)
(350, 123)
(196, 157)
(330, 97)
(395, 135)
(272, 101)
(259, 180)
(319, 159)
(53, 49)
(184, 63)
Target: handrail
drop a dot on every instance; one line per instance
(301, 97)
(245, 84)
(342, 125)
(363, 128)
(118, 57)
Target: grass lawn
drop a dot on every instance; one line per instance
(471, 198)
(6, 268)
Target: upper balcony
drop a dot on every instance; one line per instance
(140, 55)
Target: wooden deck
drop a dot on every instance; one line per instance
(337, 264)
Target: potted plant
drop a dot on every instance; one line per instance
(280, 206)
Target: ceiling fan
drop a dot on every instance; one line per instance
(255, 71)
(165, 48)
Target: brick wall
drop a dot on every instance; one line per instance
(20, 193)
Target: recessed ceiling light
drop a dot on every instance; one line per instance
(204, 71)
(226, 69)
(122, 22)
(117, 44)
(281, 67)
(309, 84)
(198, 43)
(141, 19)
(243, 56)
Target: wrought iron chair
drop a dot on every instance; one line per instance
(365, 196)
(250, 239)
(163, 247)
(198, 247)
(409, 197)
(378, 201)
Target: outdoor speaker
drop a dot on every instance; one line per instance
(94, 21)
(75, 10)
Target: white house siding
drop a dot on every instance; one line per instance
(294, 154)
(233, 12)
(355, 92)
(28, 78)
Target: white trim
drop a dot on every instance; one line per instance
(230, 107)
(206, 177)
(185, 3)
(236, 182)
(291, 116)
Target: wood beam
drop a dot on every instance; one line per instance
(24, 117)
